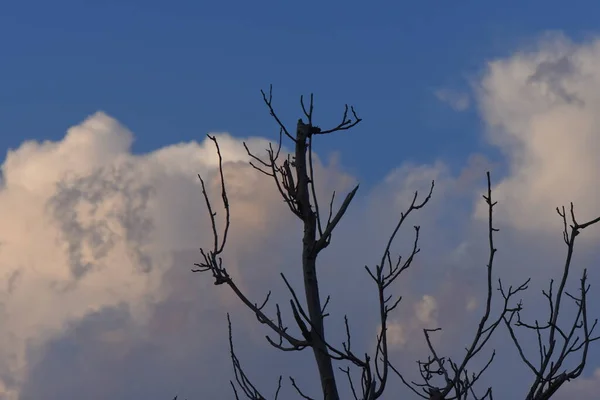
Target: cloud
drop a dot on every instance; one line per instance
(541, 107)
(426, 310)
(459, 101)
(87, 226)
(424, 317)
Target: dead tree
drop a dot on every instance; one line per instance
(443, 378)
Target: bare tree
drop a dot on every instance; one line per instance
(443, 378)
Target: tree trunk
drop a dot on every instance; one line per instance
(311, 286)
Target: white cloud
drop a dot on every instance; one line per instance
(404, 331)
(397, 337)
(542, 109)
(426, 310)
(87, 225)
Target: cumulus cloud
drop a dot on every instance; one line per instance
(541, 108)
(79, 228)
(459, 101)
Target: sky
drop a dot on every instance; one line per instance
(104, 108)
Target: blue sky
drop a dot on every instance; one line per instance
(104, 234)
(172, 71)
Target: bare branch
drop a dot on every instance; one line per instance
(299, 391)
(214, 263)
(241, 378)
(326, 236)
(346, 123)
(269, 102)
(457, 380)
(548, 374)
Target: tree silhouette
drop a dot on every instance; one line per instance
(442, 377)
